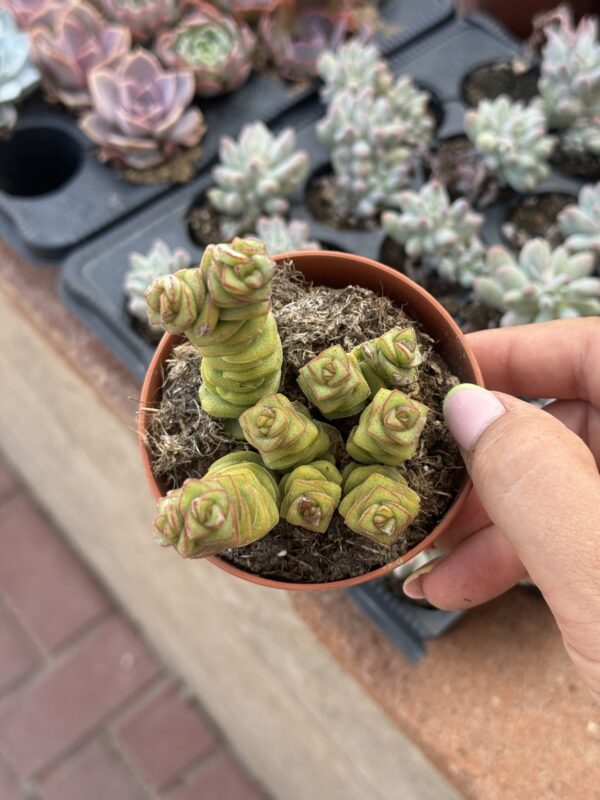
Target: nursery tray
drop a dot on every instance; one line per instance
(95, 197)
(408, 624)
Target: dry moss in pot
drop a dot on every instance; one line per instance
(333, 464)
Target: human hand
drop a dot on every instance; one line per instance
(535, 507)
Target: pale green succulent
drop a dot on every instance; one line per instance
(147, 267)
(511, 139)
(351, 68)
(256, 175)
(583, 136)
(443, 235)
(18, 76)
(280, 236)
(543, 284)
(581, 223)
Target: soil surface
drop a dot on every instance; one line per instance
(320, 200)
(536, 216)
(204, 225)
(184, 441)
(179, 169)
(579, 165)
(513, 78)
(469, 313)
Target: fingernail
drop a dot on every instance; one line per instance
(413, 585)
(468, 410)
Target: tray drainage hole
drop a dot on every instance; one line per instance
(35, 161)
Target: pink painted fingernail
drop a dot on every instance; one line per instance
(468, 410)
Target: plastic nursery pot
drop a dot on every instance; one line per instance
(339, 270)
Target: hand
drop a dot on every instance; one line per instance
(535, 507)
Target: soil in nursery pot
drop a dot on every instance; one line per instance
(204, 225)
(184, 441)
(321, 193)
(469, 313)
(536, 216)
(579, 165)
(514, 78)
(179, 169)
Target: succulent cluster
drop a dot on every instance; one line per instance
(511, 139)
(213, 45)
(581, 223)
(256, 175)
(143, 17)
(334, 383)
(390, 360)
(443, 235)
(18, 76)
(540, 285)
(280, 236)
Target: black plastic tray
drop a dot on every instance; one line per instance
(95, 197)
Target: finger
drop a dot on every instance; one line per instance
(551, 359)
(472, 517)
(482, 567)
(581, 418)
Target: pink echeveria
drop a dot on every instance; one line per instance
(141, 116)
(144, 18)
(27, 12)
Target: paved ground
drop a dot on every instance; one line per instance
(87, 711)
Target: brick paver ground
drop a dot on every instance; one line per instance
(87, 711)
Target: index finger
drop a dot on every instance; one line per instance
(558, 359)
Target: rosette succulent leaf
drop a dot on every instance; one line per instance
(390, 360)
(511, 139)
(18, 76)
(580, 223)
(143, 17)
(389, 429)
(256, 175)
(213, 45)
(284, 435)
(140, 113)
(71, 42)
(174, 302)
(27, 12)
(144, 268)
(334, 383)
(380, 507)
(311, 494)
(542, 284)
(280, 236)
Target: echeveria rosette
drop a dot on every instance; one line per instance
(69, 46)
(311, 494)
(145, 268)
(140, 113)
(333, 382)
(541, 285)
(216, 48)
(174, 302)
(390, 360)
(389, 429)
(284, 435)
(380, 507)
(18, 76)
(580, 222)
(143, 17)
(281, 236)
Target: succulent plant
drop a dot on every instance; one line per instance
(213, 45)
(140, 115)
(444, 235)
(284, 433)
(69, 44)
(543, 284)
(388, 430)
(280, 236)
(378, 503)
(511, 140)
(144, 268)
(390, 360)
(583, 136)
(581, 223)
(18, 76)
(27, 12)
(351, 68)
(333, 382)
(233, 505)
(256, 175)
(143, 17)
(176, 302)
(311, 494)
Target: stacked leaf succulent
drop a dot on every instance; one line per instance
(511, 139)
(443, 235)
(542, 284)
(581, 223)
(140, 113)
(71, 40)
(280, 236)
(334, 383)
(143, 17)
(311, 494)
(144, 268)
(391, 360)
(213, 45)
(256, 175)
(18, 76)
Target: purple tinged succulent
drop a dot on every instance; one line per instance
(27, 12)
(141, 116)
(143, 17)
(213, 45)
(68, 41)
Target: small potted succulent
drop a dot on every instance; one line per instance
(317, 455)
(18, 76)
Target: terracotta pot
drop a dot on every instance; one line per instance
(517, 17)
(339, 270)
